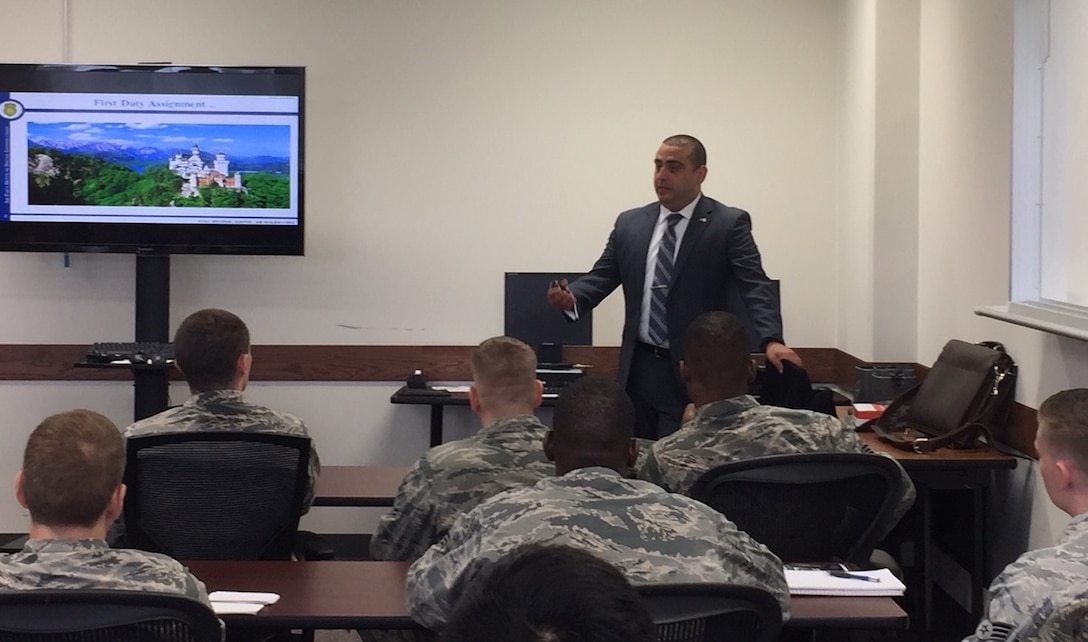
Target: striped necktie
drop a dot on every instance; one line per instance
(659, 289)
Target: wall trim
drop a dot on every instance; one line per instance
(56, 362)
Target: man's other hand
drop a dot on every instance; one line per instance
(779, 352)
(560, 297)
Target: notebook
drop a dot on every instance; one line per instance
(240, 602)
(821, 582)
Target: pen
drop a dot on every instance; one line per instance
(852, 576)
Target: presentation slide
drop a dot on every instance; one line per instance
(149, 158)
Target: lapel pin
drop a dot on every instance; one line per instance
(702, 220)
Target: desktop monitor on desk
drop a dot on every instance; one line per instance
(529, 317)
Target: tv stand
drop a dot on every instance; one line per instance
(152, 385)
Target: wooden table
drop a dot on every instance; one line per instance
(948, 469)
(344, 595)
(358, 485)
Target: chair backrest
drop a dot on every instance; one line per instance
(215, 495)
(807, 507)
(706, 612)
(75, 615)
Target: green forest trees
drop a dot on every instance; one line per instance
(78, 179)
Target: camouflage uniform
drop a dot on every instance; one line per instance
(225, 410)
(650, 535)
(1039, 581)
(92, 564)
(453, 478)
(741, 428)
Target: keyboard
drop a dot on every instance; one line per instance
(143, 351)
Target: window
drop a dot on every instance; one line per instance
(1049, 284)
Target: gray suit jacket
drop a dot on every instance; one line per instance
(718, 267)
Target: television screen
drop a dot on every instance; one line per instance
(528, 316)
(157, 159)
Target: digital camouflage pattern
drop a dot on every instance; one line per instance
(92, 564)
(1038, 584)
(741, 428)
(452, 478)
(226, 410)
(650, 535)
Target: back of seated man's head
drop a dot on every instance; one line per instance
(211, 348)
(593, 425)
(72, 469)
(716, 355)
(504, 379)
(550, 593)
(1062, 443)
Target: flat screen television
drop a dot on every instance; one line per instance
(151, 159)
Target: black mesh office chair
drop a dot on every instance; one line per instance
(808, 507)
(217, 495)
(73, 615)
(712, 612)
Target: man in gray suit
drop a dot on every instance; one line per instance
(677, 258)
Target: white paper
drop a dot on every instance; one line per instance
(244, 596)
(817, 582)
(236, 608)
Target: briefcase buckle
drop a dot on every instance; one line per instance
(918, 443)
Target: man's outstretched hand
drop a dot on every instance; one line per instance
(560, 297)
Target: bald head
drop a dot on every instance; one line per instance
(593, 425)
(716, 357)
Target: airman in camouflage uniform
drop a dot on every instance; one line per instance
(227, 410)
(1051, 580)
(211, 348)
(730, 425)
(71, 484)
(740, 428)
(453, 478)
(647, 533)
(92, 564)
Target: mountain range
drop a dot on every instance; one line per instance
(139, 157)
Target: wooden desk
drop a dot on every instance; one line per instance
(437, 404)
(344, 595)
(358, 485)
(948, 469)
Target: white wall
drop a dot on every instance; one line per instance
(964, 202)
(448, 143)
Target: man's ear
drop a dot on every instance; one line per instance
(19, 495)
(245, 362)
(474, 398)
(753, 370)
(700, 174)
(117, 503)
(549, 446)
(1067, 474)
(685, 374)
(632, 453)
(539, 393)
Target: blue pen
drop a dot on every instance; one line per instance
(852, 576)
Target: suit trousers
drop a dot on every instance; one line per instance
(657, 392)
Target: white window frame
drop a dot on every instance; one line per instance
(1026, 306)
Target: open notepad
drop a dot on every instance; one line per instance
(240, 602)
(820, 582)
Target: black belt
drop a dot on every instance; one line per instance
(658, 351)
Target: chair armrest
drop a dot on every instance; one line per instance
(312, 547)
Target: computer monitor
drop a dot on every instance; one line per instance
(529, 317)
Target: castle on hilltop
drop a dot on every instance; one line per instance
(200, 175)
